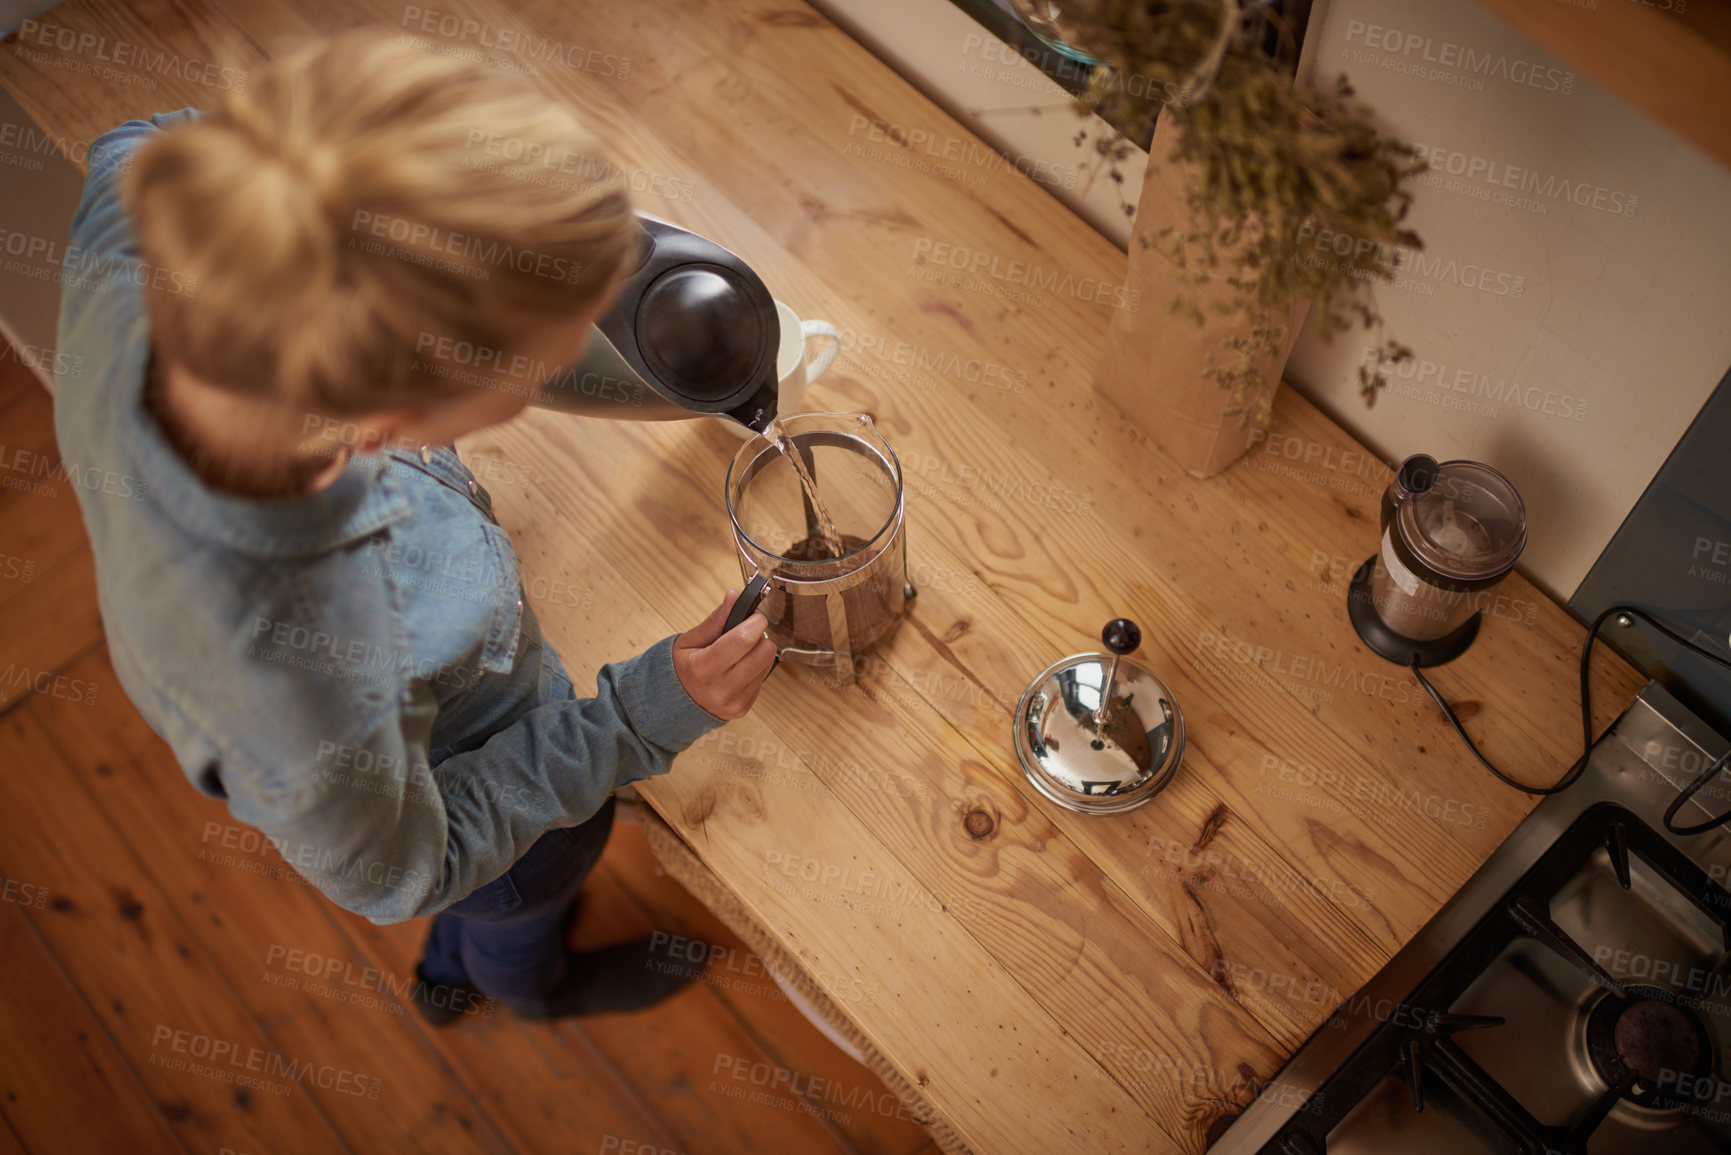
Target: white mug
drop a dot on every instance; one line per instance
(793, 369)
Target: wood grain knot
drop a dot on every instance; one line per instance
(701, 807)
(746, 802)
(978, 824)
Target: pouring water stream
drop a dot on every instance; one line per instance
(824, 527)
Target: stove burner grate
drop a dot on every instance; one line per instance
(1646, 1034)
(1634, 1033)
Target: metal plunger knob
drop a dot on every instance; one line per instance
(1121, 636)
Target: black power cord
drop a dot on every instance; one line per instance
(1580, 767)
(1688, 793)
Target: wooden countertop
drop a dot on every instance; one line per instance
(1052, 982)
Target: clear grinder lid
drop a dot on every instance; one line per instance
(1099, 733)
(1467, 522)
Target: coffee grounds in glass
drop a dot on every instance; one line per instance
(873, 607)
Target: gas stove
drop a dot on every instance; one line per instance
(1574, 998)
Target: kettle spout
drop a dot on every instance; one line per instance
(757, 413)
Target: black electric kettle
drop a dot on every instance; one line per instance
(693, 333)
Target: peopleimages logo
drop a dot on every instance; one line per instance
(1208, 864)
(961, 150)
(538, 49)
(94, 478)
(1048, 495)
(806, 1092)
(354, 657)
(590, 171)
(44, 359)
(1387, 799)
(228, 1060)
(340, 977)
(430, 240)
(483, 365)
(28, 139)
(1484, 178)
(304, 857)
(945, 362)
(1423, 372)
(1447, 54)
(137, 57)
(1399, 259)
(977, 262)
(1299, 668)
(84, 270)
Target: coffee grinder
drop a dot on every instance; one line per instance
(1450, 532)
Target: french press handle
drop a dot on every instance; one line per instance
(749, 597)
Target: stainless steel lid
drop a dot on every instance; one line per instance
(1098, 752)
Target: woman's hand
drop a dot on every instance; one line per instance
(724, 672)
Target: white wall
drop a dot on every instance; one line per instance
(1576, 362)
(1567, 344)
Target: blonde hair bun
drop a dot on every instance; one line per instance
(356, 197)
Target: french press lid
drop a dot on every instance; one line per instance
(1098, 733)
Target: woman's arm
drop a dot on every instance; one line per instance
(381, 833)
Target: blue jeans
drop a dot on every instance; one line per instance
(508, 937)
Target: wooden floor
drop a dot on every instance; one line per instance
(148, 945)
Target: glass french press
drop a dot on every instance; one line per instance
(823, 610)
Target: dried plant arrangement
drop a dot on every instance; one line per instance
(1273, 167)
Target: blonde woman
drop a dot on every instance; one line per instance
(305, 592)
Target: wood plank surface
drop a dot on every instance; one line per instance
(777, 825)
(543, 1090)
(654, 1051)
(130, 952)
(739, 979)
(1051, 981)
(262, 928)
(56, 1050)
(47, 574)
(649, 1059)
(1389, 869)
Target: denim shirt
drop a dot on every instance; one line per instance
(354, 670)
